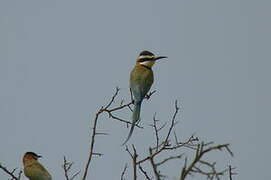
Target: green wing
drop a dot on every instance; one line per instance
(36, 171)
(141, 80)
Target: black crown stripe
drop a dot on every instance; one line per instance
(146, 53)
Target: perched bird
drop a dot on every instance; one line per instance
(141, 79)
(33, 169)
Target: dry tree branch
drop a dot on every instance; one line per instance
(148, 96)
(200, 152)
(120, 107)
(156, 132)
(11, 173)
(211, 174)
(123, 172)
(197, 166)
(91, 153)
(231, 173)
(20, 174)
(107, 108)
(154, 166)
(165, 143)
(173, 123)
(144, 172)
(133, 156)
(189, 143)
(110, 111)
(67, 167)
(169, 158)
(157, 149)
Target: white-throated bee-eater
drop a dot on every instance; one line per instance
(141, 79)
(33, 169)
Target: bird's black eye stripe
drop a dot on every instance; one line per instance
(145, 59)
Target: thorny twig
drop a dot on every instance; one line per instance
(165, 143)
(107, 108)
(91, 153)
(123, 172)
(110, 111)
(154, 166)
(201, 150)
(169, 158)
(156, 131)
(144, 172)
(192, 143)
(133, 156)
(194, 167)
(67, 167)
(11, 173)
(231, 173)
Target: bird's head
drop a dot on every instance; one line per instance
(29, 156)
(147, 58)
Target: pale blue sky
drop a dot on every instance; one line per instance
(61, 59)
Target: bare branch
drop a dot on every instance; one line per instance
(90, 155)
(197, 166)
(154, 166)
(231, 173)
(113, 98)
(169, 158)
(189, 143)
(122, 106)
(107, 108)
(20, 174)
(134, 162)
(149, 95)
(129, 152)
(144, 172)
(123, 172)
(11, 173)
(156, 132)
(173, 120)
(200, 151)
(165, 144)
(67, 167)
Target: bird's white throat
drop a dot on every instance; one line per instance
(147, 63)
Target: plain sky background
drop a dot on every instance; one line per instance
(60, 60)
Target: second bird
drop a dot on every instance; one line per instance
(141, 79)
(33, 169)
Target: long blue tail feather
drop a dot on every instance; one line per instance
(135, 118)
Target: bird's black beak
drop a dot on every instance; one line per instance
(159, 57)
(39, 156)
